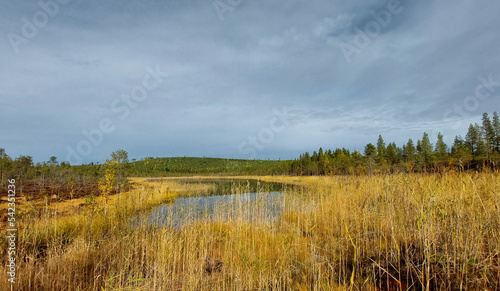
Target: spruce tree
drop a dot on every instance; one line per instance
(392, 154)
(496, 131)
(441, 149)
(474, 141)
(381, 150)
(370, 150)
(425, 150)
(488, 134)
(409, 151)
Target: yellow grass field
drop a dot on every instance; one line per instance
(388, 232)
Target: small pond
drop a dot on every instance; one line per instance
(249, 201)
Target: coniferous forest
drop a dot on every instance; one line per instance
(478, 149)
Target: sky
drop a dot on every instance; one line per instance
(238, 78)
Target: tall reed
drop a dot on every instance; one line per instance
(394, 232)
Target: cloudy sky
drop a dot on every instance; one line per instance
(239, 78)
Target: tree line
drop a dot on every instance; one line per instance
(61, 175)
(479, 149)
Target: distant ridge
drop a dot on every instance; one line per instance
(176, 166)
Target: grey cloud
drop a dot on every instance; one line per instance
(226, 77)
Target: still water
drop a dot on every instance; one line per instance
(228, 200)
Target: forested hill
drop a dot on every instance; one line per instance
(204, 166)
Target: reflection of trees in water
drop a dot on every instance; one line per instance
(236, 186)
(249, 207)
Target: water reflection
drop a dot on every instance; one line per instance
(230, 186)
(249, 207)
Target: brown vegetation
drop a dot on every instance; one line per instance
(390, 232)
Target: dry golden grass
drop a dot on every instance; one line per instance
(395, 232)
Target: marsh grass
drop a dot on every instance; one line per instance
(395, 232)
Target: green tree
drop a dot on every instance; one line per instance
(5, 164)
(120, 158)
(381, 149)
(459, 152)
(488, 135)
(370, 150)
(321, 162)
(425, 150)
(458, 145)
(306, 163)
(392, 153)
(409, 151)
(441, 149)
(370, 154)
(474, 141)
(496, 130)
(22, 165)
(53, 161)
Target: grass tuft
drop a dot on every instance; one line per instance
(394, 232)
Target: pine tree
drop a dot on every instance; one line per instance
(53, 161)
(409, 151)
(120, 158)
(306, 162)
(4, 160)
(392, 153)
(381, 149)
(459, 153)
(496, 131)
(471, 139)
(370, 153)
(22, 166)
(488, 135)
(321, 162)
(474, 141)
(441, 150)
(314, 157)
(370, 150)
(425, 150)
(458, 148)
